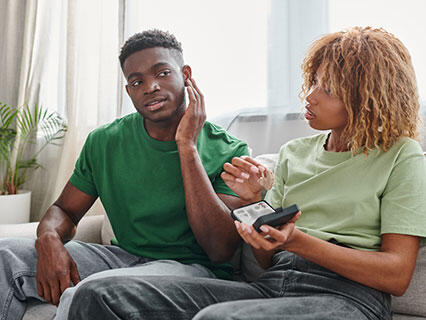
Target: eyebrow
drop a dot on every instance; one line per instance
(155, 66)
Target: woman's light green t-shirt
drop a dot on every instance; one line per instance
(353, 199)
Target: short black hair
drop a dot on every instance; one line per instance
(151, 39)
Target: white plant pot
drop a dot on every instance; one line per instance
(15, 208)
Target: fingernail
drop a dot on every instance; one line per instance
(248, 229)
(262, 169)
(239, 180)
(245, 175)
(237, 224)
(254, 169)
(264, 228)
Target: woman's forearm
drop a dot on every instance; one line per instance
(388, 270)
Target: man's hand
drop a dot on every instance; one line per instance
(55, 268)
(195, 115)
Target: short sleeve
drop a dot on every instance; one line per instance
(403, 204)
(219, 185)
(82, 177)
(275, 195)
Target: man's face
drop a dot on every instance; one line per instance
(156, 84)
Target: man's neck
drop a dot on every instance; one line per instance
(162, 131)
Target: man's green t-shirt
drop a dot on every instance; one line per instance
(353, 199)
(139, 182)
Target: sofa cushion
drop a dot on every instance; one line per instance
(37, 310)
(413, 302)
(106, 232)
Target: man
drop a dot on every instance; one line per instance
(157, 173)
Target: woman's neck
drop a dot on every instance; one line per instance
(335, 143)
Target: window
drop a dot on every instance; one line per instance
(244, 54)
(405, 19)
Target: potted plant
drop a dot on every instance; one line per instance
(24, 134)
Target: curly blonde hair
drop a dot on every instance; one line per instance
(370, 70)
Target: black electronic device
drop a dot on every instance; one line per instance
(260, 213)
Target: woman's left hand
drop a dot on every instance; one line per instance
(270, 238)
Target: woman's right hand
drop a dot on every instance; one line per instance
(242, 177)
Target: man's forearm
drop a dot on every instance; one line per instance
(208, 216)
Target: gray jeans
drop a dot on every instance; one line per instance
(294, 288)
(18, 263)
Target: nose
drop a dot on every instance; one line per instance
(151, 86)
(311, 97)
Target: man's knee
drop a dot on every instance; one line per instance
(213, 312)
(85, 300)
(17, 251)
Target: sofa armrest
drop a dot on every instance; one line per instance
(88, 230)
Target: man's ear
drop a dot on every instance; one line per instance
(187, 73)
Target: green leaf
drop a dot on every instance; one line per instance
(35, 125)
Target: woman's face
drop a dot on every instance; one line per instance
(323, 111)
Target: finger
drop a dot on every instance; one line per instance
(64, 283)
(247, 166)
(46, 292)
(237, 173)
(261, 241)
(54, 291)
(40, 289)
(191, 96)
(278, 235)
(194, 84)
(75, 276)
(229, 178)
(196, 95)
(252, 161)
(243, 234)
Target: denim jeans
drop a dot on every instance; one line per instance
(294, 288)
(18, 264)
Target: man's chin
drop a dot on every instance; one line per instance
(159, 116)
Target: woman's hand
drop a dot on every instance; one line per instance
(271, 239)
(242, 176)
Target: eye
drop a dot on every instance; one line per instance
(136, 83)
(164, 73)
(327, 92)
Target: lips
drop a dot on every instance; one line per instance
(309, 115)
(155, 104)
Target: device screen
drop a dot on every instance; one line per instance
(250, 213)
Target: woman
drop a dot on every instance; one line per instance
(361, 189)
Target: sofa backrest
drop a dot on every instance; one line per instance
(266, 132)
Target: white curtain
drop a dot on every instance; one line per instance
(293, 25)
(66, 56)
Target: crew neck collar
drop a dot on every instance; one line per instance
(154, 143)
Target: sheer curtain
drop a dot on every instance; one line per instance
(64, 56)
(245, 55)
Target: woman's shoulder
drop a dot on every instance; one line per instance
(304, 143)
(406, 147)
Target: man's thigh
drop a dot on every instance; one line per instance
(154, 297)
(156, 268)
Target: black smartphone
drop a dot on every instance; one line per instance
(260, 213)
